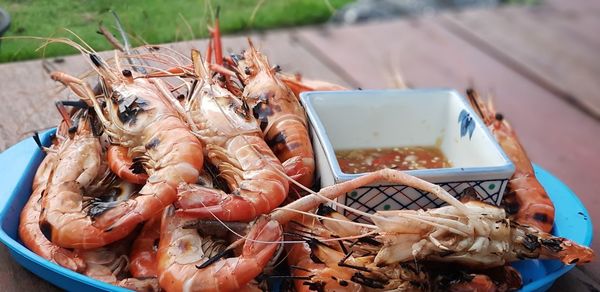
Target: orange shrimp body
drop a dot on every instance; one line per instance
(120, 163)
(526, 200)
(138, 114)
(282, 118)
(181, 250)
(171, 154)
(78, 166)
(234, 145)
(29, 228)
(143, 252)
(31, 235)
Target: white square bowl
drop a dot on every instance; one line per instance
(343, 120)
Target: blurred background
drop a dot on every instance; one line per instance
(156, 22)
(537, 59)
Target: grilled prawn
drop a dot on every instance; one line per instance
(137, 113)
(189, 260)
(234, 145)
(29, 229)
(471, 234)
(526, 201)
(334, 256)
(281, 117)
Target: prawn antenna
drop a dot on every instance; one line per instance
(472, 94)
(127, 45)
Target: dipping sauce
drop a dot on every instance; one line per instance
(401, 158)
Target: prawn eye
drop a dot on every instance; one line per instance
(499, 117)
(126, 73)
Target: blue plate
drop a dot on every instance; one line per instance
(20, 162)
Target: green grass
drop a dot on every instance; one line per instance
(149, 21)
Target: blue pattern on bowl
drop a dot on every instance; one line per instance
(394, 197)
(467, 125)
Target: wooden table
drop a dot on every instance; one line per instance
(540, 64)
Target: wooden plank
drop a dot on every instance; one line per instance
(28, 90)
(282, 48)
(28, 95)
(555, 48)
(557, 136)
(575, 6)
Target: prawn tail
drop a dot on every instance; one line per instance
(261, 244)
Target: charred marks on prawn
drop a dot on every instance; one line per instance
(312, 243)
(324, 210)
(262, 109)
(80, 104)
(46, 229)
(530, 242)
(452, 277)
(318, 286)
(96, 60)
(369, 240)
(129, 107)
(152, 144)
(553, 244)
(279, 143)
(361, 279)
(96, 206)
(343, 263)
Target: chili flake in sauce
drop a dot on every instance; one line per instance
(401, 158)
